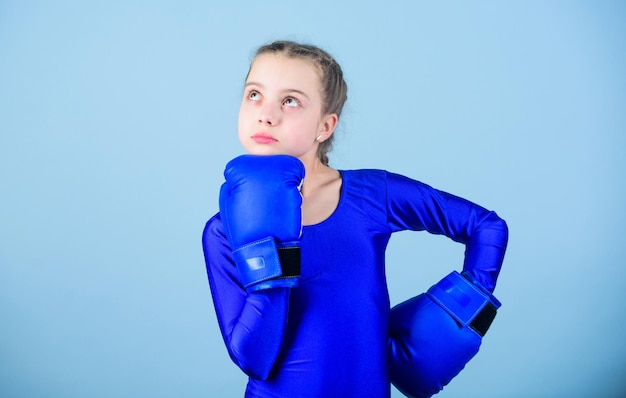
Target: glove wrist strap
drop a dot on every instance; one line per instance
(483, 319)
(466, 302)
(262, 261)
(289, 258)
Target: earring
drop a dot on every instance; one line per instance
(318, 138)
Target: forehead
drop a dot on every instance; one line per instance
(281, 70)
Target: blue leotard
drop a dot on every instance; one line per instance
(328, 337)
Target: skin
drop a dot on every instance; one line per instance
(281, 113)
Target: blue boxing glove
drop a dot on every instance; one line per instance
(434, 335)
(261, 208)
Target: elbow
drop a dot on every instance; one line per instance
(252, 353)
(253, 367)
(257, 373)
(504, 231)
(496, 230)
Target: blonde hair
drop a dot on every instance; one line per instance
(334, 87)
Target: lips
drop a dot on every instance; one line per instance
(263, 138)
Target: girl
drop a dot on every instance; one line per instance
(321, 330)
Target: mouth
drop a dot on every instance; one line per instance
(263, 138)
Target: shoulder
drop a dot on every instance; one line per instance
(364, 182)
(214, 229)
(364, 176)
(382, 186)
(364, 194)
(376, 178)
(217, 251)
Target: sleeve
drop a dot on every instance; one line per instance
(416, 206)
(252, 324)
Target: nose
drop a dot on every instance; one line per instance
(268, 115)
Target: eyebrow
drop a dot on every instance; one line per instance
(287, 90)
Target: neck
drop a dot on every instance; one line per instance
(316, 174)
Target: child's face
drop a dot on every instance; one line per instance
(281, 109)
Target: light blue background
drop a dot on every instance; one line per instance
(117, 118)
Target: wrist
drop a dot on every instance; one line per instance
(263, 265)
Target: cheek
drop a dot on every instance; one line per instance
(307, 127)
(300, 135)
(242, 130)
(243, 119)
(242, 112)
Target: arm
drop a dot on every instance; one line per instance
(435, 334)
(416, 206)
(252, 324)
(252, 253)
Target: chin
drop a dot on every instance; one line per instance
(262, 150)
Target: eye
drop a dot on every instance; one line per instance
(291, 102)
(254, 96)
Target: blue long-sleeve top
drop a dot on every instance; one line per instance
(328, 336)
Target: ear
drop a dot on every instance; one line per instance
(327, 126)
